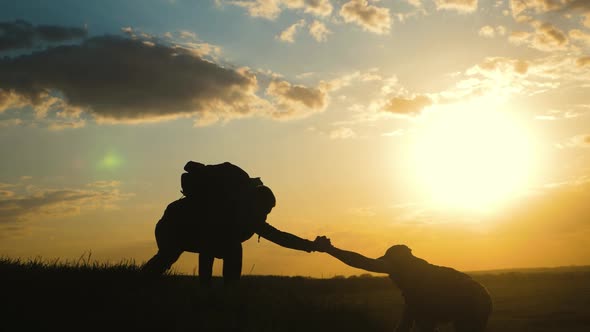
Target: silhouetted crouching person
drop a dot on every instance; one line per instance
(215, 226)
(433, 294)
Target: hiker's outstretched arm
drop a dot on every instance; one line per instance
(285, 239)
(357, 260)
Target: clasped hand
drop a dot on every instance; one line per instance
(322, 244)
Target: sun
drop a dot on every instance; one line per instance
(472, 156)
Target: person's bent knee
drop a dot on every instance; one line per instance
(160, 263)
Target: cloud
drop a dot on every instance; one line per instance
(489, 31)
(518, 7)
(464, 6)
(294, 101)
(10, 123)
(348, 79)
(23, 35)
(415, 3)
(319, 31)
(9, 99)
(342, 133)
(576, 5)
(104, 184)
(61, 125)
(135, 33)
(519, 37)
(44, 203)
(390, 98)
(288, 35)
(185, 34)
(394, 133)
(520, 66)
(297, 101)
(561, 69)
(117, 79)
(504, 65)
(271, 9)
(559, 114)
(583, 61)
(549, 37)
(501, 77)
(184, 39)
(546, 37)
(200, 49)
(577, 34)
(128, 30)
(370, 18)
(407, 106)
(268, 9)
(316, 7)
(6, 194)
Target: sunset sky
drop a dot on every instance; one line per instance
(460, 128)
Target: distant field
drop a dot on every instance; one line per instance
(92, 297)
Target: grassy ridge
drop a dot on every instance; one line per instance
(86, 296)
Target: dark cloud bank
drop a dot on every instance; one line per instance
(22, 35)
(120, 78)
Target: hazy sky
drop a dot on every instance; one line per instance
(458, 127)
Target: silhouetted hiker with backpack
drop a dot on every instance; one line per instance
(433, 294)
(222, 208)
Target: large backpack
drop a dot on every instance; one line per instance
(222, 189)
(217, 181)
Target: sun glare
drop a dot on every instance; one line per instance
(472, 156)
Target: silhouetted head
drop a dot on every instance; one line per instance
(264, 200)
(397, 253)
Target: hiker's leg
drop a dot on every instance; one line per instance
(168, 250)
(406, 323)
(426, 326)
(161, 261)
(205, 268)
(232, 263)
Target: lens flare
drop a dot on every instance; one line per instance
(110, 161)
